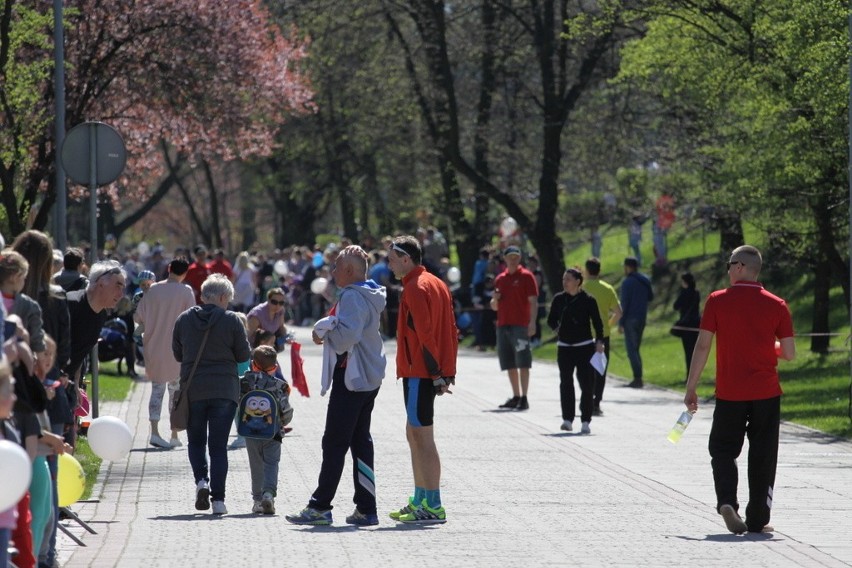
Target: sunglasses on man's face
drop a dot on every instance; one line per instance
(277, 302)
(733, 262)
(109, 272)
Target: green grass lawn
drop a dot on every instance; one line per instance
(816, 387)
(111, 387)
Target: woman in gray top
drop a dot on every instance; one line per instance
(215, 388)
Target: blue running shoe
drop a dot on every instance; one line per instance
(360, 519)
(310, 516)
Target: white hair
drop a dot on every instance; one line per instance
(215, 286)
(103, 267)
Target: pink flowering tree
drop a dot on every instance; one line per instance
(180, 77)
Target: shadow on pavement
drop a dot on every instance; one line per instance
(200, 516)
(728, 537)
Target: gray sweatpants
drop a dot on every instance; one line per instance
(263, 456)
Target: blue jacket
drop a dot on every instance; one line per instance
(636, 294)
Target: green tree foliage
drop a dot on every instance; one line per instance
(762, 88)
(359, 157)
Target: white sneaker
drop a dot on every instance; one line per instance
(158, 442)
(202, 495)
(257, 508)
(239, 442)
(219, 508)
(267, 503)
(567, 425)
(175, 442)
(585, 428)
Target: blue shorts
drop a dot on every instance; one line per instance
(419, 396)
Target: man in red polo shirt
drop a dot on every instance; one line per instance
(516, 301)
(753, 330)
(197, 272)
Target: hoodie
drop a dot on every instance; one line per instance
(216, 376)
(357, 333)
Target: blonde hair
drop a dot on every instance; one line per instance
(243, 318)
(12, 263)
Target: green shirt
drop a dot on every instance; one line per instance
(605, 296)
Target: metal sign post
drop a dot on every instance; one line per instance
(93, 154)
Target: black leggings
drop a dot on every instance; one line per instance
(570, 358)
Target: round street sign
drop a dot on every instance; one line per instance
(110, 153)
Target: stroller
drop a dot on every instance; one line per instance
(113, 343)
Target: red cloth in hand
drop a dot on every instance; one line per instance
(298, 379)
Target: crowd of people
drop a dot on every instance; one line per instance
(200, 324)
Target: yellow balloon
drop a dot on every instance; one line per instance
(70, 480)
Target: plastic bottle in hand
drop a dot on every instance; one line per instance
(677, 430)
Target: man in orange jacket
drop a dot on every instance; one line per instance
(427, 345)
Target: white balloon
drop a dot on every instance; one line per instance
(454, 275)
(508, 227)
(319, 285)
(15, 471)
(280, 268)
(110, 438)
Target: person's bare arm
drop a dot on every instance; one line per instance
(699, 360)
(788, 348)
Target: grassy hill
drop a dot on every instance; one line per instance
(817, 387)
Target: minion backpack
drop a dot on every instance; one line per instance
(258, 414)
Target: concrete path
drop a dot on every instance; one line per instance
(518, 491)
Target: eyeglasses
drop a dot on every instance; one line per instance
(277, 302)
(400, 250)
(108, 272)
(733, 262)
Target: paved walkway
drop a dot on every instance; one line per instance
(517, 490)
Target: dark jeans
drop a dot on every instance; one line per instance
(208, 429)
(689, 339)
(347, 427)
(600, 380)
(732, 421)
(633, 329)
(570, 358)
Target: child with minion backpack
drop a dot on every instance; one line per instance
(263, 413)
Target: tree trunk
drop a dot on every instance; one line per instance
(139, 213)
(826, 242)
(215, 224)
(819, 322)
(730, 231)
(248, 234)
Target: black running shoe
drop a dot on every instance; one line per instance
(511, 403)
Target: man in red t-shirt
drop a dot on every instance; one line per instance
(515, 300)
(197, 272)
(220, 265)
(753, 329)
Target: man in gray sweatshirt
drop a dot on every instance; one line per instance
(351, 338)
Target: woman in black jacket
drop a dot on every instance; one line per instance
(573, 314)
(688, 303)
